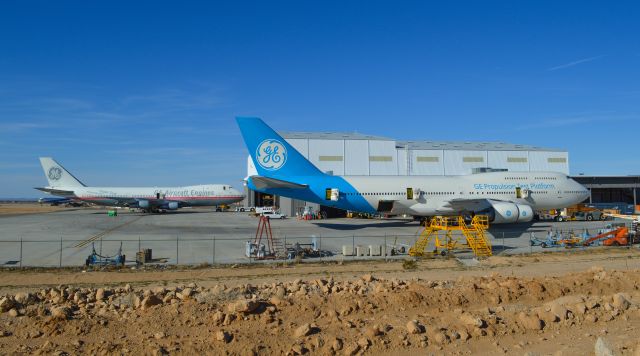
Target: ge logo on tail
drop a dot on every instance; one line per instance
(271, 155)
(55, 173)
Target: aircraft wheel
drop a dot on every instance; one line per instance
(589, 217)
(543, 245)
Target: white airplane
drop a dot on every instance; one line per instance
(507, 197)
(149, 199)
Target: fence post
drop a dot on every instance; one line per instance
(213, 253)
(21, 252)
(353, 245)
(139, 246)
(320, 246)
(60, 264)
(384, 250)
(503, 246)
(177, 252)
(530, 244)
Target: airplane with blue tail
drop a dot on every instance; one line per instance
(506, 197)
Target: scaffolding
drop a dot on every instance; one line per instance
(268, 248)
(442, 230)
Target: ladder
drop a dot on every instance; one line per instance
(275, 247)
(476, 238)
(417, 250)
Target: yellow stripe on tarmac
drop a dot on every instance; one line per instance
(106, 232)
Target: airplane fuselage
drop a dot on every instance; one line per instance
(436, 195)
(196, 195)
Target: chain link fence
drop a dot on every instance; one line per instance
(185, 249)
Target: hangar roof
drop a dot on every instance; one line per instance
(419, 145)
(470, 146)
(333, 136)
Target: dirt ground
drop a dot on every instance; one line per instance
(28, 208)
(556, 304)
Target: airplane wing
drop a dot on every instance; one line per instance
(474, 205)
(270, 183)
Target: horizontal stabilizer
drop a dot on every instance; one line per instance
(271, 183)
(59, 192)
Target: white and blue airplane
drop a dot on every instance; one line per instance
(507, 197)
(148, 199)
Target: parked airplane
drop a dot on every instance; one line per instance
(507, 197)
(59, 201)
(149, 199)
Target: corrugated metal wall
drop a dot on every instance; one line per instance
(328, 155)
(383, 158)
(379, 157)
(427, 162)
(515, 161)
(462, 162)
(356, 161)
(549, 161)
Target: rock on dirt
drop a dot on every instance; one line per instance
(223, 336)
(243, 306)
(336, 345)
(60, 313)
(413, 327)
(23, 298)
(6, 304)
(302, 331)
(530, 322)
(620, 302)
(471, 320)
(150, 301)
(602, 348)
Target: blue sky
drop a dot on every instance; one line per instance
(144, 93)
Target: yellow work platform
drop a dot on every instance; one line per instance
(441, 229)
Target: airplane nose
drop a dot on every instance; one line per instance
(586, 194)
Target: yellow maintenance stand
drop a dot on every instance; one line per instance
(442, 229)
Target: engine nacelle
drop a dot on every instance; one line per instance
(505, 213)
(172, 205)
(143, 204)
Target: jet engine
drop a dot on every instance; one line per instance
(505, 213)
(172, 205)
(143, 204)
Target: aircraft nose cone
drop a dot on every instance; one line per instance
(586, 195)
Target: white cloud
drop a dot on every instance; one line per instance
(574, 63)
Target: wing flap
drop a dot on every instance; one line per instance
(467, 204)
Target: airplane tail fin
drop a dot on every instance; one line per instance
(271, 154)
(57, 175)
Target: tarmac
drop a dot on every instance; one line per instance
(199, 236)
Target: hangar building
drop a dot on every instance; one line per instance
(365, 155)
